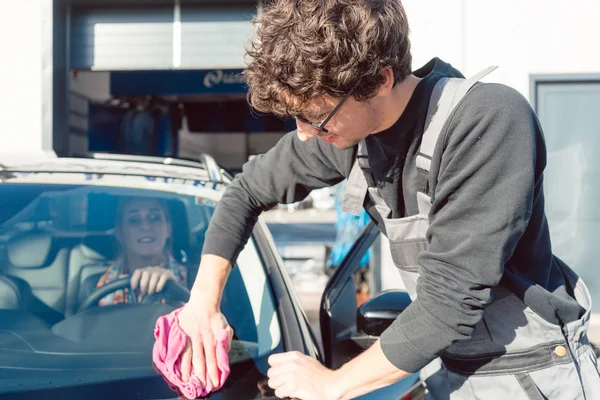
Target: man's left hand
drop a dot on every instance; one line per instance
(296, 375)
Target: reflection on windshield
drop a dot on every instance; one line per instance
(143, 229)
(62, 245)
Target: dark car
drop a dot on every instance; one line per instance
(58, 237)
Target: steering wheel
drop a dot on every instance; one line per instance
(171, 292)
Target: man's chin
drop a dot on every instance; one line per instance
(342, 145)
(340, 142)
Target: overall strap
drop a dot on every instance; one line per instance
(357, 185)
(446, 94)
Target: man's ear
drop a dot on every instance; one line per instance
(387, 82)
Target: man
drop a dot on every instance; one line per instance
(495, 314)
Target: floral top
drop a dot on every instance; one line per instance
(116, 271)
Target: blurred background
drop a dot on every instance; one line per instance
(164, 78)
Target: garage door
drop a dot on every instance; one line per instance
(569, 112)
(160, 37)
(215, 37)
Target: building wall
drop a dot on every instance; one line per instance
(228, 149)
(93, 85)
(521, 37)
(231, 150)
(24, 104)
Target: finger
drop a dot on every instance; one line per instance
(135, 279)
(230, 338)
(276, 383)
(280, 370)
(198, 359)
(283, 392)
(284, 358)
(163, 280)
(186, 362)
(154, 277)
(286, 386)
(211, 357)
(144, 282)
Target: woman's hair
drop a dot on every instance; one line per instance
(306, 49)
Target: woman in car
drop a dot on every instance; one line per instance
(143, 229)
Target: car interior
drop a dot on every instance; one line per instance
(61, 268)
(46, 272)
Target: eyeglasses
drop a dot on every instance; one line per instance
(321, 125)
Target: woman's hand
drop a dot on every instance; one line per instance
(151, 280)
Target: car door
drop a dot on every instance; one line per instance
(338, 320)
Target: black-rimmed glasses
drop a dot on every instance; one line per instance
(321, 125)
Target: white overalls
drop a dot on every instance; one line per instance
(514, 353)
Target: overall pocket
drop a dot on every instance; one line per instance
(406, 252)
(407, 241)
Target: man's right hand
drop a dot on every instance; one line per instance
(201, 319)
(201, 324)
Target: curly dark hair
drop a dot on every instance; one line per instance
(305, 49)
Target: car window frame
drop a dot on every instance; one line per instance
(296, 332)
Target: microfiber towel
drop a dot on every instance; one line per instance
(166, 356)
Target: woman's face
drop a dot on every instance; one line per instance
(144, 228)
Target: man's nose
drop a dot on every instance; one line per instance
(305, 131)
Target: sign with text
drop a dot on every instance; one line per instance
(177, 82)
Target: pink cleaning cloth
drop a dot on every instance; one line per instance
(168, 347)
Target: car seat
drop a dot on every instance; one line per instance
(16, 294)
(90, 258)
(40, 260)
(11, 296)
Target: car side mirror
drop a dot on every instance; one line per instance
(376, 314)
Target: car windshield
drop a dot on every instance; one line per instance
(63, 333)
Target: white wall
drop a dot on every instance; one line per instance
(523, 37)
(22, 105)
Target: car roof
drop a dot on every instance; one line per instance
(114, 167)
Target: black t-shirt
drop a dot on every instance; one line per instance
(388, 149)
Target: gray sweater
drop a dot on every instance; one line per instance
(487, 221)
